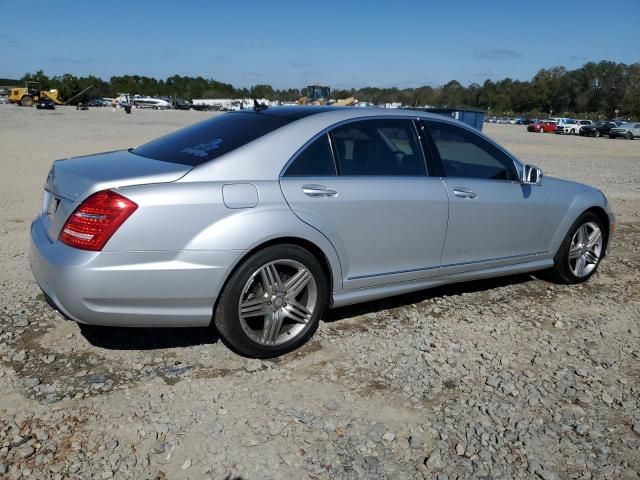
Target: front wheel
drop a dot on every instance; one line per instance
(26, 101)
(581, 251)
(596, 133)
(273, 302)
(629, 136)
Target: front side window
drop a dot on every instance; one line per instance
(466, 154)
(378, 147)
(316, 160)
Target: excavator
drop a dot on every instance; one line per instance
(31, 93)
(321, 95)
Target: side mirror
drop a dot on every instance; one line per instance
(531, 175)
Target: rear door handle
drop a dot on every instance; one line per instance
(464, 193)
(314, 190)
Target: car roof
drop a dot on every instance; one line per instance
(293, 112)
(303, 111)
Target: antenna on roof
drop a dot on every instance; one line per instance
(258, 107)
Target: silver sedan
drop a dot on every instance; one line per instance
(258, 220)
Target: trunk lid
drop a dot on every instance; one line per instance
(72, 180)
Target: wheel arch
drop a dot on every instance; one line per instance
(308, 245)
(603, 216)
(567, 202)
(570, 218)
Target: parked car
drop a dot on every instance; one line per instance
(4, 100)
(97, 102)
(181, 104)
(524, 121)
(572, 127)
(546, 126)
(598, 129)
(258, 220)
(628, 130)
(45, 104)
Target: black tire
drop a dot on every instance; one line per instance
(561, 271)
(596, 133)
(26, 101)
(629, 136)
(226, 316)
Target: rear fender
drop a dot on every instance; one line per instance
(238, 231)
(193, 216)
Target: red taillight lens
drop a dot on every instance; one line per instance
(93, 223)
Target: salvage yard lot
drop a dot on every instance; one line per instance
(505, 378)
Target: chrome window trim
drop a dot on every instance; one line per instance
(327, 130)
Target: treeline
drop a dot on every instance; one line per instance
(593, 90)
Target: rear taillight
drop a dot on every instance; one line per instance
(93, 223)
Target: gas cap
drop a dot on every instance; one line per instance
(240, 195)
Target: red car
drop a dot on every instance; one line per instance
(548, 126)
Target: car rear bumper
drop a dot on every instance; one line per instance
(135, 289)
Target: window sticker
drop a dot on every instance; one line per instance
(202, 149)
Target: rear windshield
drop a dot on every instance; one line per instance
(210, 139)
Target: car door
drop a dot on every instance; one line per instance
(372, 199)
(494, 219)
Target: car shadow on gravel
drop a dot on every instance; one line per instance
(452, 290)
(116, 338)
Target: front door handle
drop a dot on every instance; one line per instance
(464, 193)
(314, 190)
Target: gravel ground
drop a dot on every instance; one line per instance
(507, 378)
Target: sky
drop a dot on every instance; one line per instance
(340, 43)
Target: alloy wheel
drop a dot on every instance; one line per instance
(277, 302)
(585, 249)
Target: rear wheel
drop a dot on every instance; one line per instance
(26, 101)
(273, 302)
(581, 250)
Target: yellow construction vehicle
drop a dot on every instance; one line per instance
(31, 93)
(321, 95)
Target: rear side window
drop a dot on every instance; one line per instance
(466, 154)
(210, 139)
(316, 160)
(378, 147)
